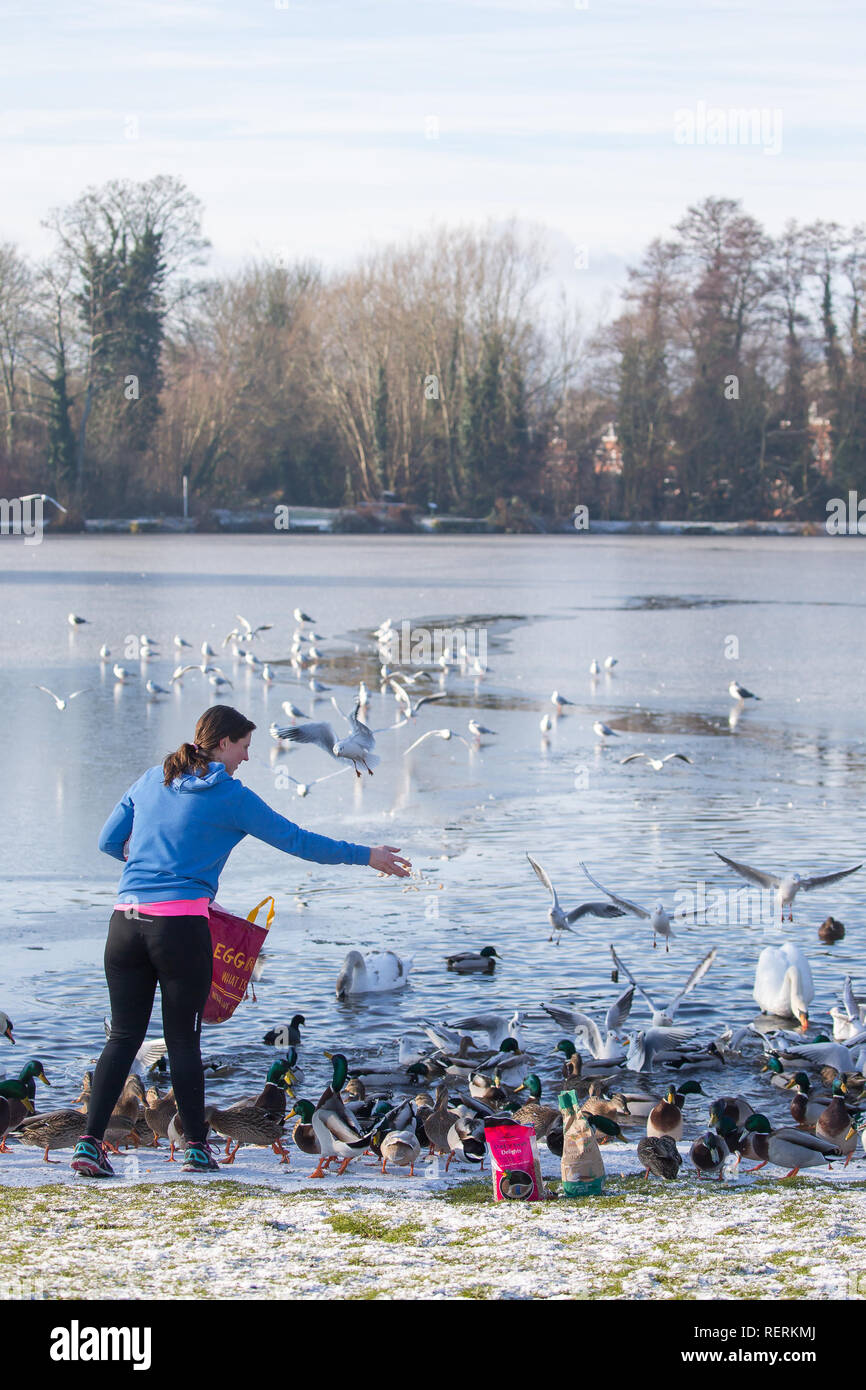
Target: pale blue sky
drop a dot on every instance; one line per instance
(305, 129)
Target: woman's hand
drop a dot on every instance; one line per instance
(388, 860)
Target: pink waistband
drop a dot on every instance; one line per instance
(181, 907)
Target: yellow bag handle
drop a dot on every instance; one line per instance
(251, 916)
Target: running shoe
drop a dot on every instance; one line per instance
(199, 1159)
(90, 1159)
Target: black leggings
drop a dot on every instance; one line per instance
(141, 952)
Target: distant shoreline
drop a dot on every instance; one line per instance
(262, 524)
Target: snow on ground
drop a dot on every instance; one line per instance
(263, 1230)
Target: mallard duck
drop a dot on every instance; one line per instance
(784, 1148)
(806, 1106)
(598, 1103)
(708, 1153)
(509, 1065)
(6, 1116)
(122, 1123)
(667, 1116)
(835, 1124)
(335, 1129)
(21, 1093)
(778, 1076)
(158, 1111)
(542, 1117)
(466, 1140)
(605, 1125)
(734, 1108)
(473, 962)
(56, 1129)
(831, 930)
(302, 1134)
(32, 1070)
(397, 1141)
(372, 974)
(272, 1098)
(438, 1122)
(286, 1034)
(484, 1089)
(247, 1125)
(637, 1104)
(660, 1155)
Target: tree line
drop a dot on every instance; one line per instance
(436, 369)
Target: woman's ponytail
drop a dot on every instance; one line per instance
(217, 723)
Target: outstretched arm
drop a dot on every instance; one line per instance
(255, 817)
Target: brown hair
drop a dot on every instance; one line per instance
(218, 722)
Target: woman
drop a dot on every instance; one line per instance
(181, 821)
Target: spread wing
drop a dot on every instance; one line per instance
(620, 902)
(619, 1012)
(594, 1038)
(543, 877)
(849, 1000)
(697, 974)
(817, 879)
(753, 875)
(594, 910)
(322, 734)
(428, 699)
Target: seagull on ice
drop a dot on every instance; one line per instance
(663, 1014)
(610, 662)
(301, 617)
(181, 642)
(317, 687)
(357, 748)
(787, 886)
(594, 668)
(657, 763)
(218, 682)
(153, 689)
(62, 701)
(559, 700)
(105, 652)
(292, 710)
(658, 918)
(207, 650)
(445, 734)
(74, 620)
(739, 692)
(479, 729)
(122, 675)
(546, 724)
(604, 731)
(560, 921)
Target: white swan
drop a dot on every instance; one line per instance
(380, 970)
(783, 982)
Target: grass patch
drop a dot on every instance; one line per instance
(370, 1227)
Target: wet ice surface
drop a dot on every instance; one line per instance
(781, 789)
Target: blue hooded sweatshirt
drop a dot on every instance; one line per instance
(181, 835)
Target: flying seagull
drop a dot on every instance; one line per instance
(42, 497)
(658, 918)
(357, 748)
(788, 886)
(657, 763)
(560, 921)
(445, 734)
(603, 1048)
(663, 1014)
(62, 701)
